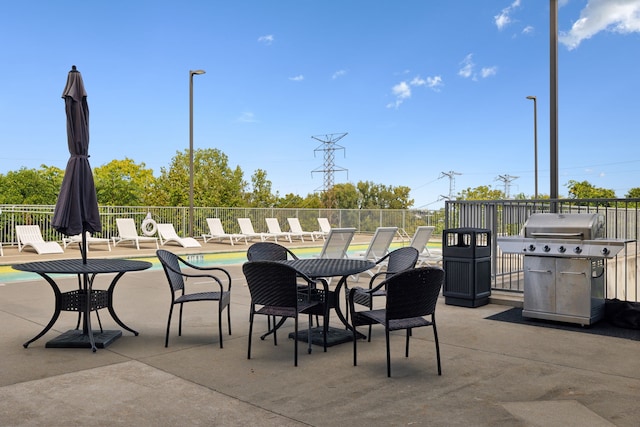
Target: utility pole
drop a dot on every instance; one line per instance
(329, 148)
(452, 182)
(506, 179)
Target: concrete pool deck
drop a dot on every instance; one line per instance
(494, 373)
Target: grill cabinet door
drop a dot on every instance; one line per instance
(573, 287)
(539, 284)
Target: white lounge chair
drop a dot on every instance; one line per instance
(378, 247)
(30, 235)
(325, 227)
(216, 231)
(246, 228)
(419, 241)
(275, 231)
(66, 241)
(296, 230)
(168, 234)
(337, 243)
(128, 233)
(379, 244)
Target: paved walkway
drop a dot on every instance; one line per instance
(494, 373)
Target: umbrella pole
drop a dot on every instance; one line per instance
(83, 247)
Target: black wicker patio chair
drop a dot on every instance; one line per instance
(269, 251)
(176, 277)
(411, 298)
(274, 292)
(396, 261)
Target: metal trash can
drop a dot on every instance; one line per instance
(466, 259)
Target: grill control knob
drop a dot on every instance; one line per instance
(578, 250)
(562, 249)
(605, 251)
(532, 248)
(546, 248)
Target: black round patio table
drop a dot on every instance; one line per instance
(84, 300)
(331, 267)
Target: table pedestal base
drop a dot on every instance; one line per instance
(335, 336)
(74, 338)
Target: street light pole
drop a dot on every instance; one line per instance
(191, 73)
(535, 142)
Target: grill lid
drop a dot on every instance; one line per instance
(587, 226)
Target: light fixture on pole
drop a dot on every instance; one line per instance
(191, 73)
(535, 142)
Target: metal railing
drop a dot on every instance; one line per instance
(364, 220)
(507, 217)
(502, 217)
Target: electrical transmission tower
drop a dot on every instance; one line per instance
(329, 148)
(506, 179)
(452, 182)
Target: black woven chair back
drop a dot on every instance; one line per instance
(402, 259)
(171, 265)
(271, 283)
(268, 251)
(414, 292)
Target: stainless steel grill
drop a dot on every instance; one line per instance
(564, 265)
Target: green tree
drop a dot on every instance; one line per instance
(482, 192)
(633, 193)
(214, 182)
(290, 201)
(380, 196)
(312, 201)
(260, 195)
(586, 190)
(124, 183)
(31, 186)
(341, 196)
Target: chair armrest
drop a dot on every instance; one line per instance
(200, 268)
(206, 276)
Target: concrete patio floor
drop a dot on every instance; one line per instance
(494, 373)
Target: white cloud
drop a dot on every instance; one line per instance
(338, 74)
(435, 83)
(528, 30)
(488, 71)
(504, 17)
(617, 16)
(418, 81)
(268, 39)
(468, 69)
(467, 66)
(402, 90)
(247, 117)
(297, 78)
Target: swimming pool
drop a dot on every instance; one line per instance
(8, 274)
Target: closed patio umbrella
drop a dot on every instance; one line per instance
(76, 210)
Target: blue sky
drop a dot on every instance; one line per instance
(421, 87)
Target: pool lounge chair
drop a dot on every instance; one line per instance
(216, 231)
(275, 231)
(66, 241)
(296, 230)
(246, 228)
(128, 233)
(378, 247)
(325, 227)
(168, 234)
(337, 243)
(30, 235)
(419, 241)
